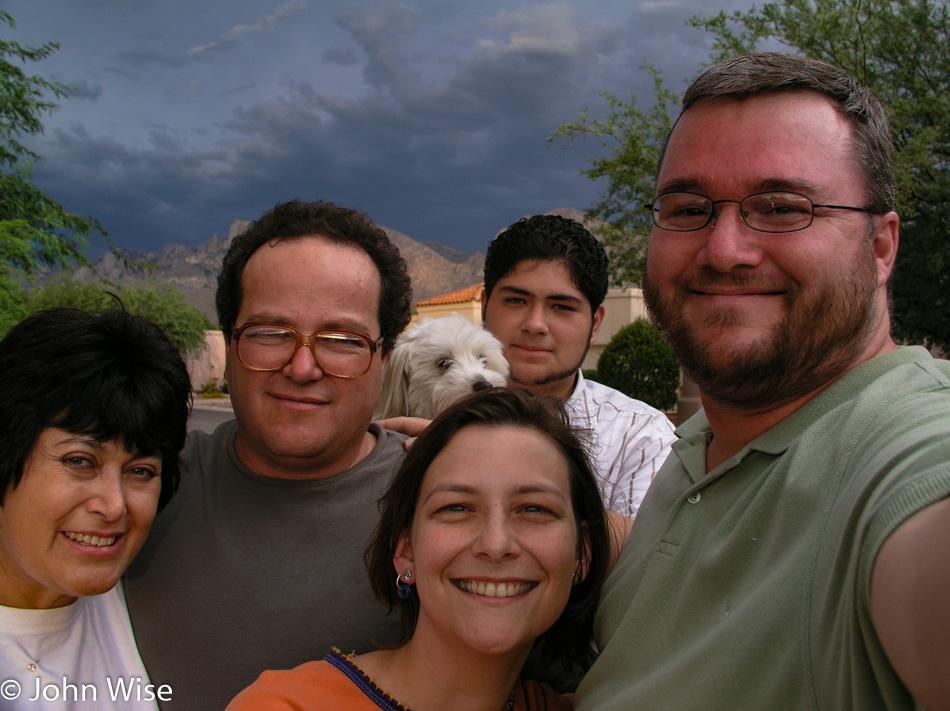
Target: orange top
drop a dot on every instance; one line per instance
(338, 684)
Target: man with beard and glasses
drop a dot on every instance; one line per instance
(795, 550)
(545, 283)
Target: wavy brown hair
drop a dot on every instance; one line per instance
(568, 639)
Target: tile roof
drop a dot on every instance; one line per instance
(459, 296)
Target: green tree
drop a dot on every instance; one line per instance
(633, 139)
(11, 303)
(35, 230)
(900, 49)
(165, 305)
(159, 302)
(640, 363)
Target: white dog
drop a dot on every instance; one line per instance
(437, 362)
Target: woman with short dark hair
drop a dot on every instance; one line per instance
(93, 413)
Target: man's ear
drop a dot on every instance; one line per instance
(403, 560)
(598, 320)
(483, 298)
(885, 245)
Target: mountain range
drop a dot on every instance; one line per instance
(434, 268)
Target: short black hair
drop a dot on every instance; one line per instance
(112, 377)
(569, 638)
(550, 237)
(340, 225)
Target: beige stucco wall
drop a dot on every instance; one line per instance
(472, 310)
(621, 307)
(209, 365)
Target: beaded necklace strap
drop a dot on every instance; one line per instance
(370, 688)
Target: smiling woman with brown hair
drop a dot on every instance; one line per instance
(492, 536)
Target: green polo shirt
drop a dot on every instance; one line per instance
(748, 587)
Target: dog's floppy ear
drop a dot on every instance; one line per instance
(394, 399)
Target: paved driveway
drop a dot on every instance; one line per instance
(208, 414)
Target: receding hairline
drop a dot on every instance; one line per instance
(324, 239)
(846, 122)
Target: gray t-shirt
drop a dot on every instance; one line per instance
(243, 573)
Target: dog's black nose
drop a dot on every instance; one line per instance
(480, 384)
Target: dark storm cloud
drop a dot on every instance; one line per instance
(235, 35)
(432, 116)
(343, 56)
(162, 186)
(475, 143)
(140, 58)
(382, 33)
(85, 90)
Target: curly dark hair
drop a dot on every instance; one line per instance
(340, 225)
(550, 237)
(113, 377)
(568, 639)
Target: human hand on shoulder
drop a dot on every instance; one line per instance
(412, 426)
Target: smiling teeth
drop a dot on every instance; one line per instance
(90, 540)
(494, 589)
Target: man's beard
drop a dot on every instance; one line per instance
(820, 338)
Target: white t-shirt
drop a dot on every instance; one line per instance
(81, 657)
(629, 441)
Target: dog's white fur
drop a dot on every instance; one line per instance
(437, 362)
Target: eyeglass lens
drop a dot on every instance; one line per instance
(271, 348)
(767, 212)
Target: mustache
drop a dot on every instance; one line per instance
(708, 277)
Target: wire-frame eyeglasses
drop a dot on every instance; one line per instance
(764, 212)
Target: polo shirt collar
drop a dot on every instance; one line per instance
(694, 434)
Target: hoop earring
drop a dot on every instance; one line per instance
(575, 579)
(402, 584)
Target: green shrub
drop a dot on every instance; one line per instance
(12, 310)
(640, 363)
(210, 390)
(159, 302)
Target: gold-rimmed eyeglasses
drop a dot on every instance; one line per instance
(266, 347)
